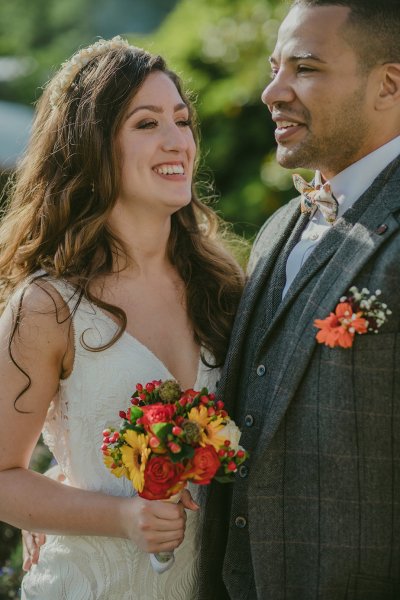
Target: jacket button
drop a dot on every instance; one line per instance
(260, 370)
(243, 471)
(240, 522)
(249, 420)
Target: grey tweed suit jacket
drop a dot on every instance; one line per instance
(316, 513)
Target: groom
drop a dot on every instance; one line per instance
(315, 513)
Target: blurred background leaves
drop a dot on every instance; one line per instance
(219, 47)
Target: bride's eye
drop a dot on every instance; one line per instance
(184, 122)
(146, 124)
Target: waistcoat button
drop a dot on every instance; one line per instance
(260, 370)
(243, 471)
(240, 522)
(249, 420)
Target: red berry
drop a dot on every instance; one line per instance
(231, 453)
(135, 401)
(106, 440)
(104, 447)
(183, 401)
(231, 466)
(150, 387)
(142, 396)
(139, 387)
(204, 399)
(220, 405)
(227, 443)
(177, 430)
(211, 396)
(122, 414)
(175, 448)
(154, 442)
(240, 453)
(210, 411)
(221, 452)
(106, 432)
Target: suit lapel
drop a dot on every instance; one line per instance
(278, 232)
(353, 244)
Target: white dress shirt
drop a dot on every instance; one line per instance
(347, 187)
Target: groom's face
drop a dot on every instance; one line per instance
(319, 97)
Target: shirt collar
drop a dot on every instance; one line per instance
(348, 185)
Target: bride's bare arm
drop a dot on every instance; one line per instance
(30, 500)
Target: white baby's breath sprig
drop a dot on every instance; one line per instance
(374, 311)
(71, 67)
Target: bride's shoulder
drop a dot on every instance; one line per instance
(38, 295)
(37, 314)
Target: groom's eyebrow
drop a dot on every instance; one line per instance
(297, 57)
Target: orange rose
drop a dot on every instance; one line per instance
(205, 464)
(162, 478)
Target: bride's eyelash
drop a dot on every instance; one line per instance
(150, 123)
(146, 124)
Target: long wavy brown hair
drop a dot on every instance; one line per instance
(60, 200)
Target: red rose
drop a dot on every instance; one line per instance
(156, 413)
(205, 464)
(161, 478)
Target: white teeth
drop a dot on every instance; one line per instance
(170, 170)
(286, 124)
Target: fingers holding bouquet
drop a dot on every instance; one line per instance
(154, 526)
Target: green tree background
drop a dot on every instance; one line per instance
(221, 49)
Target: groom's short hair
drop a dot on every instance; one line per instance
(372, 28)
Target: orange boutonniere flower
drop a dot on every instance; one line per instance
(356, 313)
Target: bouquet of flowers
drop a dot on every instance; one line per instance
(169, 437)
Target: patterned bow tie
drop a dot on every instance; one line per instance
(317, 196)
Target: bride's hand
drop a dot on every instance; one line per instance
(154, 525)
(31, 543)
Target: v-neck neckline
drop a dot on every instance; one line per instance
(135, 340)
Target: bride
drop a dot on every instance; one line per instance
(111, 273)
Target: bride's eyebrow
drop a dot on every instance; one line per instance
(156, 109)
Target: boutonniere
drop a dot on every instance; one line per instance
(358, 312)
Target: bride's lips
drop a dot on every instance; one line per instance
(171, 171)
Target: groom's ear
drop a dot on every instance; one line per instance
(389, 87)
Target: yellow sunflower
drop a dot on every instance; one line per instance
(134, 456)
(117, 471)
(209, 428)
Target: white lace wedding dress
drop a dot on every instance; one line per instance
(101, 383)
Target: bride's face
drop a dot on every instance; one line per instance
(157, 148)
